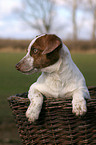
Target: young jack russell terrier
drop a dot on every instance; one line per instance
(60, 76)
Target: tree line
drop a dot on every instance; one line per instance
(41, 15)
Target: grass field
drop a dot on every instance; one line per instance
(13, 82)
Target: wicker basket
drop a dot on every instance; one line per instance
(57, 125)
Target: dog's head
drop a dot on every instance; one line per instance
(43, 51)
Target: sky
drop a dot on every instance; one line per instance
(12, 26)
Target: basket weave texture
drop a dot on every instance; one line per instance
(57, 125)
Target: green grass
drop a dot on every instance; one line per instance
(13, 82)
(87, 65)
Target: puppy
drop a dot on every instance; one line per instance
(60, 76)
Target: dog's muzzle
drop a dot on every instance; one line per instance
(25, 65)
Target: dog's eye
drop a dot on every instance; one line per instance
(35, 50)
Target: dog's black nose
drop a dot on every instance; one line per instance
(17, 66)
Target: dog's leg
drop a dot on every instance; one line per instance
(79, 102)
(36, 101)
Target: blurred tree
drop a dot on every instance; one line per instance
(93, 7)
(73, 6)
(74, 10)
(86, 5)
(90, 5)
(42, 15)
(38, 14)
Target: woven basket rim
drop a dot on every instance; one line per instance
(21, 98)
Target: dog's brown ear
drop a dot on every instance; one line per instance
(52, 42)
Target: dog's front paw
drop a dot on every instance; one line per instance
(32, 114)
(79, 107)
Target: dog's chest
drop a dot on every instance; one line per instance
(50, 84)
(54, 82)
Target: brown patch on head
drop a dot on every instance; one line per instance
(45, 50)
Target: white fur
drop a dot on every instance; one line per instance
(63, 79)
